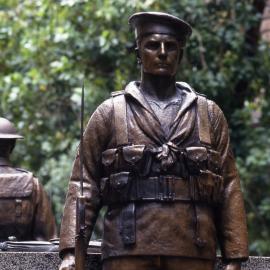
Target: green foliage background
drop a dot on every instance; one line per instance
(47, 47)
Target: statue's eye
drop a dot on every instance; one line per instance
(152, 45)
(171, 46)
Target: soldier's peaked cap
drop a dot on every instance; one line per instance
(146, 23)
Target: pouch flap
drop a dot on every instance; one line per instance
(197, 154)
(214, 157)
(210, 177)
(17, 185)
(119, 180)
(133, 153)
(207, 178)
(108, 156)
(103, 182)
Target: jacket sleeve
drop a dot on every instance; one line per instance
(96, 137)
(230, 214)
(44, 221)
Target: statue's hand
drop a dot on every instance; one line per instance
(68, 262)
(233, 266)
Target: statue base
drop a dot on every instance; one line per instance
(51, 261)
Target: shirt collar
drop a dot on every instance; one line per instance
(189, 96)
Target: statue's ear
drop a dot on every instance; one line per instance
(181, 53)
(13, 144)
(138, 56)
(137, 52)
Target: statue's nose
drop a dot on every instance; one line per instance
(162, 51)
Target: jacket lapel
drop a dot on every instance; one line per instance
(184, 121)
(143, 114)
(189, 97)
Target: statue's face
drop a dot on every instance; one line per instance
(159, 54)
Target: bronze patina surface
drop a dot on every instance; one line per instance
(25, 210)
(158, 155)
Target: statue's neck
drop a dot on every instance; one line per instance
(158, 87)
(4, 160)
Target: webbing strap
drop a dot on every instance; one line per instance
(120, 119)
(128, 222)
(203, 121)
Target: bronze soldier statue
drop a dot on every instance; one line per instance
(158, 155)
(25, 210)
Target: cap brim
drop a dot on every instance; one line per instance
(9, 136)
(160, 17)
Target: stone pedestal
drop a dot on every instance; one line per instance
(51, 261)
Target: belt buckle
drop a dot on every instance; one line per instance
(168, 188)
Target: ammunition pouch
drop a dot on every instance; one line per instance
(130, 157)
(204, 166)
(196, 159)
(116, 187)
(207, 187)
(109, 160)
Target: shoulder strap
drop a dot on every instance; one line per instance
(120, 117)
(203, 120)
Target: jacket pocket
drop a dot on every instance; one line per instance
(196, 159)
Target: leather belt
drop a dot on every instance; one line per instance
(161, 188)
(158, 188)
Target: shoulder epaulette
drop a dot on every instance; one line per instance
(117, 93)
(188, 87)
(22, 170)
(200, 94)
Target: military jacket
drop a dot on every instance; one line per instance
(25, 210)
(162, 227)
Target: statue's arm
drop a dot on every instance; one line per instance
(68, 262)
(233, 266)
(230, 213)
(44, 221)
(96, 138)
